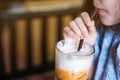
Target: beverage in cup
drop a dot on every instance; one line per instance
(71, 64)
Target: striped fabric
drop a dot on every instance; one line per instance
(106, 62)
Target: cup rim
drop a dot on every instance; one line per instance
(70, 54)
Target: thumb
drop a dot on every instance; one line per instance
(92, 28)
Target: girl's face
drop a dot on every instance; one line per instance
(109, 11)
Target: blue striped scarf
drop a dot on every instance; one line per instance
(106, 62)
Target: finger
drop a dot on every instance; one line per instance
(81, 26)
(89, 23)
(92, 29)
(66, 36)
(75, 28)
(86, 18)
(68, 33)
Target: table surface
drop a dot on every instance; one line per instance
(45, 76)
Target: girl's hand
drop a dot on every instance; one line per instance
(81, 28)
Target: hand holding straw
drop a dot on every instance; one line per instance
(82, 40)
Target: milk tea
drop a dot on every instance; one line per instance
(71, 64)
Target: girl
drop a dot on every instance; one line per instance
(105, 38)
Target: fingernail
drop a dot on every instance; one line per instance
(81, 36)
(85, 34)
(78, 33)
(89, 24)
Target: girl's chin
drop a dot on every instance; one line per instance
(107, 22)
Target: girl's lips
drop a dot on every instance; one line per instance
(100, 10)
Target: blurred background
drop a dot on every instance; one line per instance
(29, 31)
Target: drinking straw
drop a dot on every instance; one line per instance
(82, 40)
(80, 44)
(93, 14)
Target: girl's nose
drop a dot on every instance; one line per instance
(96, 2)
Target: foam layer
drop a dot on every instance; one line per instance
(73, 63)
(67, 46)
(70, 47)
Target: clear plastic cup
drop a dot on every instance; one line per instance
(74, 65)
